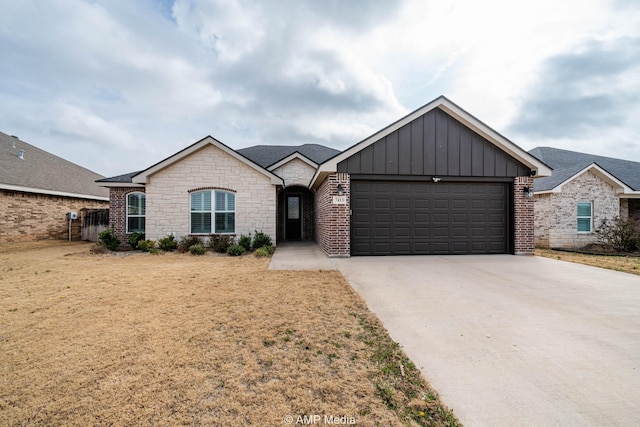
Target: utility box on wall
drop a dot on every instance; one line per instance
(72, 215)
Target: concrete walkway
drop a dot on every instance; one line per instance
(513, 341)
(300, 256)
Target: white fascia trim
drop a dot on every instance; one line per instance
(622, 188)
(458, 113)
(51, 192)
(143, 177)
(290, 157)
(119, 184)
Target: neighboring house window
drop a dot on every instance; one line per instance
(222, 214)
(135, 212)
(584, 217)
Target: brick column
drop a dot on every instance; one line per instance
(118, 212)
(524, 241)
(333, 220)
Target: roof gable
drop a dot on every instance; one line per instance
(434, 144)
(42, 172)
(566, 164)
(143, 177)
(268, 155)
(460, 116)
(568, 174)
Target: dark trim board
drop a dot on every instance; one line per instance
(428, 178)
(419, 217)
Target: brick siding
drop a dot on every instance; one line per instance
(524, 241)
(333, 221)
(27, 217)
(557, 217)
(118, 211)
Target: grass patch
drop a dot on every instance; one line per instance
(181, 340)
(624, 263)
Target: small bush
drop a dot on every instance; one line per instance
(168, 243)
(260, 240)
(109, 239)
(264, 251)
(245, 242)
(619, 235)
(134, 238)
(197, 249)
(220, 242)
(146, 245)
(187, 241)
(235, 250)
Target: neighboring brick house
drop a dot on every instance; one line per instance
(38, 189)
(437, 181)
(583, 191)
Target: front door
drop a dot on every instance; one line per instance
(293, 226)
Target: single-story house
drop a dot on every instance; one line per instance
(583, 191)
(39, 189)
(437, 181)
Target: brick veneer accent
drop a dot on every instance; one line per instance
(118, 211)
(523, 216)
(27, 217)
(333, 221)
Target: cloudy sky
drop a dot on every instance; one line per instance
(117, 85)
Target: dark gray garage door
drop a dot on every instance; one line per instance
(407, 218)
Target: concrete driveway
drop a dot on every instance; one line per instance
(513, 341)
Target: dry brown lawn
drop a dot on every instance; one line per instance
(174, 339)
(624, 263)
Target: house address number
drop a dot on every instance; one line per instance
(339, 200)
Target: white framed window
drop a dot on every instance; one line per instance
(136, 206)
(208, 218)
(585, 217)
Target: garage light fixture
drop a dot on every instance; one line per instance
(527, 191)
(340, 190)
(436, 179)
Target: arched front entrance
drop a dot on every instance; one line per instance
(295, 214)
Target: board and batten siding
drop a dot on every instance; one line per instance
(434, 144)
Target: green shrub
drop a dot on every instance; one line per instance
(197, 249)
(146, 245)
(168, 243)
(619, 235)
(264, 251)
(109, 239)
(187, 241)
(260, 240)
(245, 242)
(220, 242)
(235, 250)
(134, 238)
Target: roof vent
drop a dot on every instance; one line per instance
(21, 155)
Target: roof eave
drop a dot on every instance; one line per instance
(52, 192)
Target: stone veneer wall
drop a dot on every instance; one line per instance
(27, 217)
(333, 221)
(558, 211)
(295, 172)
(167, 202)
(524, 243)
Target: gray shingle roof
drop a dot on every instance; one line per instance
(567, 163)
(124, 178)
(267, 155)
(44, 171)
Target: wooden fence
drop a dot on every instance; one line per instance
(94, 221)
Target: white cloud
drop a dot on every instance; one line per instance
(135, 78)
